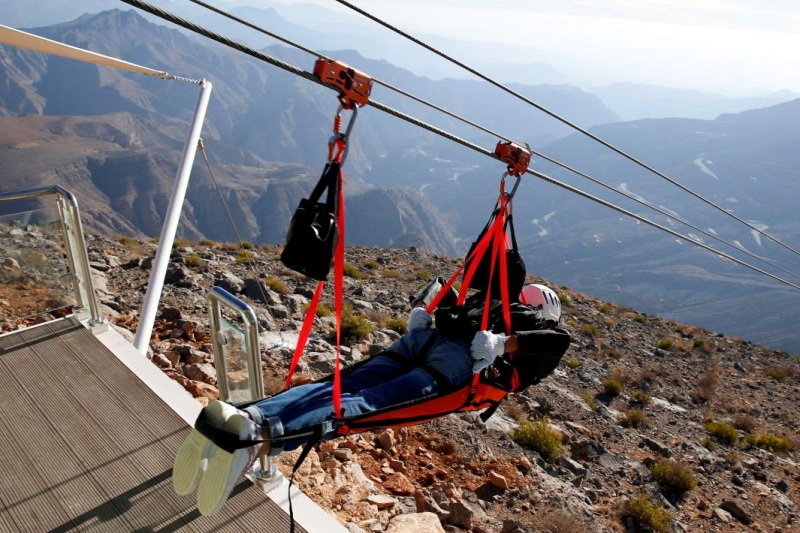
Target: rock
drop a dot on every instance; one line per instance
(258, 292)
(171, 313)
(201, 372)
(610, 461)
(381, 501)
(573, 466)
(722, 515)
(279, 311)
(11, 263)
(343, 454)
(176, 274)
(498, 480)
(782, 486)
(353, 528)
(200, 389)
(656, 446)
(230, 282)
(429, 504)
(399, 484)
(461, 515)
(386, 439)
(415, 523)
(737, 512)
(162, 361)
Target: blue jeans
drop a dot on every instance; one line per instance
(379, 383)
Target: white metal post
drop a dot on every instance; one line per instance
(150, 307)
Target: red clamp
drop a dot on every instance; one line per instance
(515, 156)
(354, 86)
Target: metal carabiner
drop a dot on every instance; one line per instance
(340, 139)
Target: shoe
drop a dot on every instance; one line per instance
(225, 468)
(192, 457)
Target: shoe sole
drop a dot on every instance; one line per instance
(188, 467)
(220, 477)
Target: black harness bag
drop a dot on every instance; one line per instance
(313, 231)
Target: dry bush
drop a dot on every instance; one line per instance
(381, 318)
(707, 383)
(647, 376)
(674, 476)
(621, 374)
(613, 353)
(633, 418)
(780, 373)
(745, 423)
(558, 521)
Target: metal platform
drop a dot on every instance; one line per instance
(86, 445)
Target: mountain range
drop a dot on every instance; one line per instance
(115, 139)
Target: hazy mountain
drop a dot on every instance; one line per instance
(266, 135)
(633, 101)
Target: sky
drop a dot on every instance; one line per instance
(735, 47)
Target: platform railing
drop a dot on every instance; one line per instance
(234, 346)
(74, 244)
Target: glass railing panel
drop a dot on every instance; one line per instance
(35, 280)
(238, 364)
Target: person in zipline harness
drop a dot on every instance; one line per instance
(426, 361)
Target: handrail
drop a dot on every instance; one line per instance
(74, 242)
(266, 471)
(218, 296)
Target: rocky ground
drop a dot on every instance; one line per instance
(647, 423)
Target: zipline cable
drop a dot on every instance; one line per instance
(433, 129)
(323, 56)
(563, 121)
(312, 52)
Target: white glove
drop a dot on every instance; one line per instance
(419, 319)
(486, 346)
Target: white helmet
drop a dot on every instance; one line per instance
(542, 296)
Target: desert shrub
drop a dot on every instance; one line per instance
(371, 264)
(745, 423)
(707, 383)
(397, 324)
(539, 437)
(708, 443)
(641, 397)
(674, 476)
(422, 274)
(378, 316)
(206, 242)
(392, 274)
(779, 374)
(323, 310)
(247, 245)
(770, 442)
(633, 418)
(181, 243)
(648, 375)
(589, 329)
(352, 271)
(613, 353)
(605, 309)
(563, 298)
(640, 319)
(192, 260)
(354, 327)
(573, 363)
(665, 344)
(723, 432)
(558, 521)
(590, 401)
(32, 259)
(648, 515)
(244, 256)
(698, 343)
(276, 285)
(127, 241)
(612, 387)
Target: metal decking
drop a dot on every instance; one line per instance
(86, 445)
